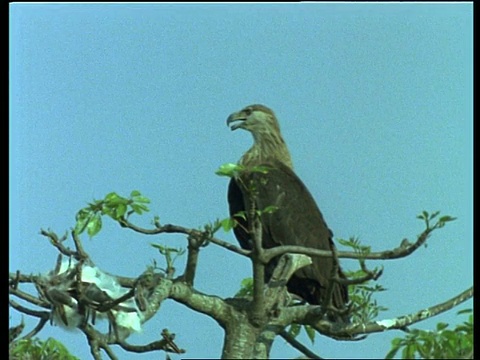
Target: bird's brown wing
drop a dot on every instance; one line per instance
(296, 221)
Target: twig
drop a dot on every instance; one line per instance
(37, 329)
(369, 275)
(78, 245)
(23, 309)
(97, 341)
(56, 242)
(27, 297)
(170, 228)
(299, 346)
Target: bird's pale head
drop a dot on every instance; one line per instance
(268, 142)
(258, 119)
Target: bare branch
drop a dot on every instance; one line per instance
(25, 310)
(78, 245)
(171, 229)
(96, 340)
(36, 329)
(166, 344)
(27, 297)
(192, 260)
(299, 346)
(402, 251)
(57, 242)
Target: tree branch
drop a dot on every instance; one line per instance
(175, 229)
(287, 265)
(57, 242)
(213, 306)
(192, 260)
(36, 329)
(39, 314)
(299, 346)
(166, 344)
(257, 313)
(306, 315)
(403, 250)
(27, 297)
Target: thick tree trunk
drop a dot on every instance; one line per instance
(245, 341)
(240, 339)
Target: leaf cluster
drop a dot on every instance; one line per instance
(36, 349)
(246, 288)
(443, 343)
(441, 221)
(364, 307)
(170, 254)
(233, 170)
(113, 205)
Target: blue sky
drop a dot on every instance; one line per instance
(375, 102)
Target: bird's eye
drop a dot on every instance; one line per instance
(248, 111)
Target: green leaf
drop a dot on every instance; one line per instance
(158, 246)
(241, 215)
(344, 242)
(294, 330)
(310, 332)
(396, 343)
(409, 351)
(229, 170)
(141, 199)
(246, 288)
(112, 197)
(135, 193)
(446, 218)
(424, 350)
(82, 222)
(228, 224)
(261, 169)
(94, 225)
(464, 311)
(441, 326)
(137, 208)
(270, 209)
(247, 282)
(120, 211)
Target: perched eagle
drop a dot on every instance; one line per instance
(296, 219)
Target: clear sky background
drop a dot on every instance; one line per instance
(375, 102)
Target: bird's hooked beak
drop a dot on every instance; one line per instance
(236, 117)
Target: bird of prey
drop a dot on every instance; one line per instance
(296, 219)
